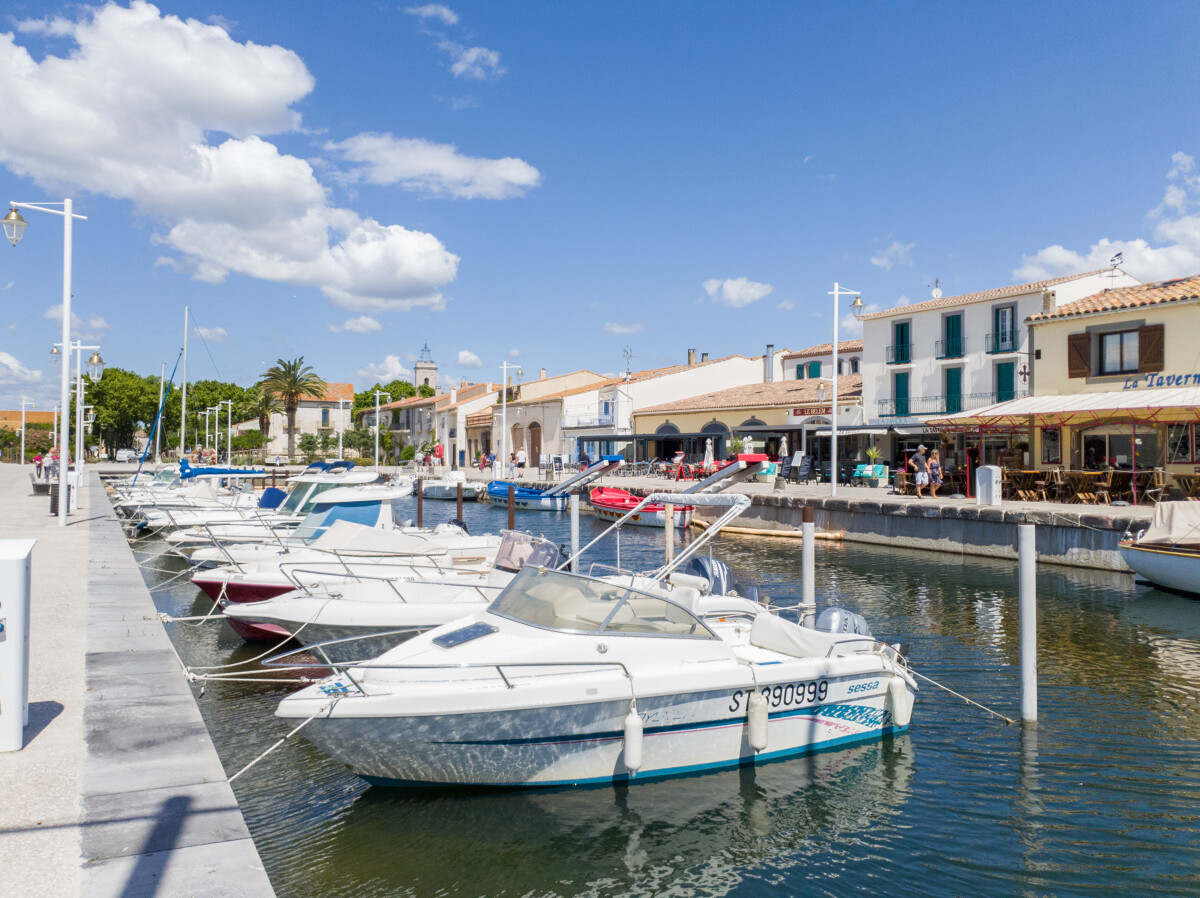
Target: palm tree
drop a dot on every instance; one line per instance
(261, 404)
(289, 382)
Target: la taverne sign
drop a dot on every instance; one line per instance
(1161, 380)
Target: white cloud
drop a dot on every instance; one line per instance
(478, 63)
(144, 93)
(514, 353)
(92, 329)
(1177, 226)
(613, 327)
(468, 359)
(391, 368)
(213, 334)
(787, 304)
(363, 324)
(434, 168)
(735, 292)
(434, 11)
(850, 327)
(896, 254)
(13, 372)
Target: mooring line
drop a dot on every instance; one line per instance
(960, 695)
(320, 711)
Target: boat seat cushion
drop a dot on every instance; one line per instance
(778, 635)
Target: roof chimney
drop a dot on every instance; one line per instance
(453, 395)
(541, 374)
(769, 364)
(703, 357)
(1048, 301)
(691, 357)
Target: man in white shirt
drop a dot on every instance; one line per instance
(521, 458)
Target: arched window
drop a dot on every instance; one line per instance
(753, 422)
(714, 427)
(667, 428)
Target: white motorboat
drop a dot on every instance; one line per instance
(568, 679)
(446, 487)
(1168, 553)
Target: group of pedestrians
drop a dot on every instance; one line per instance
(928, 470)
(45, 464)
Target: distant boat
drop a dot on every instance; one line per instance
(446, 487)
(1168, 553)
(611, 504)
(529, 498)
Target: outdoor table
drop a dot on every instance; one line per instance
(1122, 486)
(1027, 486)
(1189, 484)
(1081, 486)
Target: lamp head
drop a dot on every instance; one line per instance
(821, 393)
(95, 367)
(14, 226)
(55, 354)
(857, 307)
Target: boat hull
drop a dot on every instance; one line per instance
(647, 517)
(1169, 568)
(584, 744)
(525, 498)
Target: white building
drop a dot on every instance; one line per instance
(817, 361)
(955, 353)
(316, 415)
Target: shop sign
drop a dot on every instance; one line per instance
(1161, 380)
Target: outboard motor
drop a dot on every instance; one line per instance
(841, 620)
(460, 524)
(715, 572)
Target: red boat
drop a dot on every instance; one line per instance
(612, 504)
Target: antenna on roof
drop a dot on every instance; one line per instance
(1113, 270)
(937, 291)
(628, 358)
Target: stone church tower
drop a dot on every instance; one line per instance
(425, 369)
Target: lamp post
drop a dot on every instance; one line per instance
(378, 393)
(502, 456)
(206, 413)
(14, 230)
(228, 429)
(216, 437)
(95, 370)
(857, 308)
(24, 402)
(341, 426)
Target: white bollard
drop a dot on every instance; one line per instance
(14, 641)
(808, 567)
(669, 514)
(1027, 603)
(574, 503)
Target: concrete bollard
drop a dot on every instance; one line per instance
(1027, 603)
(574, 502)
(14, 641)
(808, 566)
(669, 514)
(420, 501)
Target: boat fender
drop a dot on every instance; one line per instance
(898, 702)
(756, 720)
(633, 740)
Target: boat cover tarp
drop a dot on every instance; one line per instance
(1175, 524)
(345, 536)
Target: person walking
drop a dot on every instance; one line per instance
(38, 461)
(512, 465)
(920, 464)
(935, 472)
(521, 459)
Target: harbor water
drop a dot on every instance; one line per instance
(1102, 796)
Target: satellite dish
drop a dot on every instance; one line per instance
(937, 292)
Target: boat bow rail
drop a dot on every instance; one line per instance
(578, 481)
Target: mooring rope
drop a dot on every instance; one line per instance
(959, 695)
(329, 704)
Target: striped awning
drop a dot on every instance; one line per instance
(1168, 405)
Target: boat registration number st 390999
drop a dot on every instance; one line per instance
(785, 695)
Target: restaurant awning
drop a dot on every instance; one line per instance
(1172, 404)
(767, 428)
(853, 430)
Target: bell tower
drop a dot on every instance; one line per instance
(425, 369)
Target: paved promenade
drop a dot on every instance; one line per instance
(118, 790)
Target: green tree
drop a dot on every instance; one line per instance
(328, 441)
(425, 391)
(289, 382)
(397, 389)
(261, 405)
(123, 403)
(308, 444)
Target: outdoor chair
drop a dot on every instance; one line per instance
(1104, 487)
(861, 473)
(1158, 486)
(878, 473)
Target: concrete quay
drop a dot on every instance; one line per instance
(118, 790)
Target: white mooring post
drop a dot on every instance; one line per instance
(14, 641)
(574, 502)
(808, 566)
(1027, 600)
(670, 516)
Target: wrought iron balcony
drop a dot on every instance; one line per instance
(1002, 341)
(949, 349)
(899, 354)
(944, 405)
(577, 421)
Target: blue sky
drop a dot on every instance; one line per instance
(553, 182)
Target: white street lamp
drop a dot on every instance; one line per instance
(228, 429)
(14, 230)
(24, 402)
(206, 413)
(95, 370)
(502, 455)
(857, 308)
(378, 393)
(341, 426)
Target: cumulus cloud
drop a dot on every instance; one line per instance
(13, 372)
(391, 368)
(1176, 225)
(735, 292)
(363, 324)
(896, 254)
(91, 329)
(468, 359)
(477, 63)
(170, 114)
(434, 11)
(437, 169)
(514, 353)
(213, 334)
(787, 304)
(613, 327)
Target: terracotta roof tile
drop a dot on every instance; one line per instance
(982, 296)
(826, 349)
(1123, 298)
(480, 418)
(336, 391)
(777, 394)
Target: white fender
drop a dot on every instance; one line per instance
(633, 739)
(756, 719)
(898, 702)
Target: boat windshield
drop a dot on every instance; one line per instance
(560, 601)
(317, 522)
(303, 500)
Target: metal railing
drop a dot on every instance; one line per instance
(949, 349)
(587, 421)
(1002, 341)
(944, 405)
(899, 354)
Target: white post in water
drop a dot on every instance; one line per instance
(574, 502)
(669, 514)
(808, 567)
(14, 641)
(1027, 574)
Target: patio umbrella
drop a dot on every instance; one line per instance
(783, 447)
(708, 453)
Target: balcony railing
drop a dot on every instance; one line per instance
(576, 421)
(944, 405)
(1003, 341)
(949, 349)
(899, 354)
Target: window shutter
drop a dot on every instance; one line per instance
(1150, 348)
(1079, 355)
